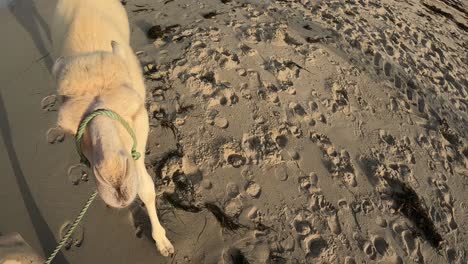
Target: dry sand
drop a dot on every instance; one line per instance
(326, 132)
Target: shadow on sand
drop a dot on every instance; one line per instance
(43, 231)
(26, 14)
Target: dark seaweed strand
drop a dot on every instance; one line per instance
(224, 220)
(181, 205)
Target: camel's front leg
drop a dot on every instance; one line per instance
(148, 196)
(146, 190)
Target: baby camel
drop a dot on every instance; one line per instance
(97, 69)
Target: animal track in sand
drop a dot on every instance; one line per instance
(301, 225)
(314, 244)
(338, 164)
(442, 209)
(232, 190)
(234, 207)
(76, 239)
(318, 202)
(281, 173)
(395, 52)
(55, 135)
(221, 122)
(369, 250)
(380, 245)
(253, 189)
(50, 103)
(78, 174)
(349, 260)
(334, 224)
(234, 157)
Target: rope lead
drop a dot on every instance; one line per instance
(78, 139)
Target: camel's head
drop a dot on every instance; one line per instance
(108, 148)
(101, 80)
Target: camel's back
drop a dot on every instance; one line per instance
(82, 26)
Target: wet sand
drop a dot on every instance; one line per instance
(331, 132)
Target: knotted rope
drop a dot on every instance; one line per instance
(78, 139)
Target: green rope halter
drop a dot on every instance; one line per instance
(82, 127)
(78, 138)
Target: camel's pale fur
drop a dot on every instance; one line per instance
(96, 69)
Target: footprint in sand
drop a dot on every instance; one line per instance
(221, 122)
(369, 250)
(232, 190)
(339, 164)
(301, 226)
(377, 59)
(253, 189)
(234, 207)
(281, 173)
(288, 244)
(451, 254)
(380, 221)
(446, 201)
(49, 103)
(313, 178)
(393, 259)
(252, 213)
(389, 50)
(233, 158)
(398, 82)
(78, 174)
(334, 224)
(297, 108)
(349, 260)
(314, 245)
(380, 245)
(411, 245)
(206, 184)
(55, 135)
(387, 68)
(233, 255)
(304, 183)
(76, 239)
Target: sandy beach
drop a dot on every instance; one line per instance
(280, 132)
